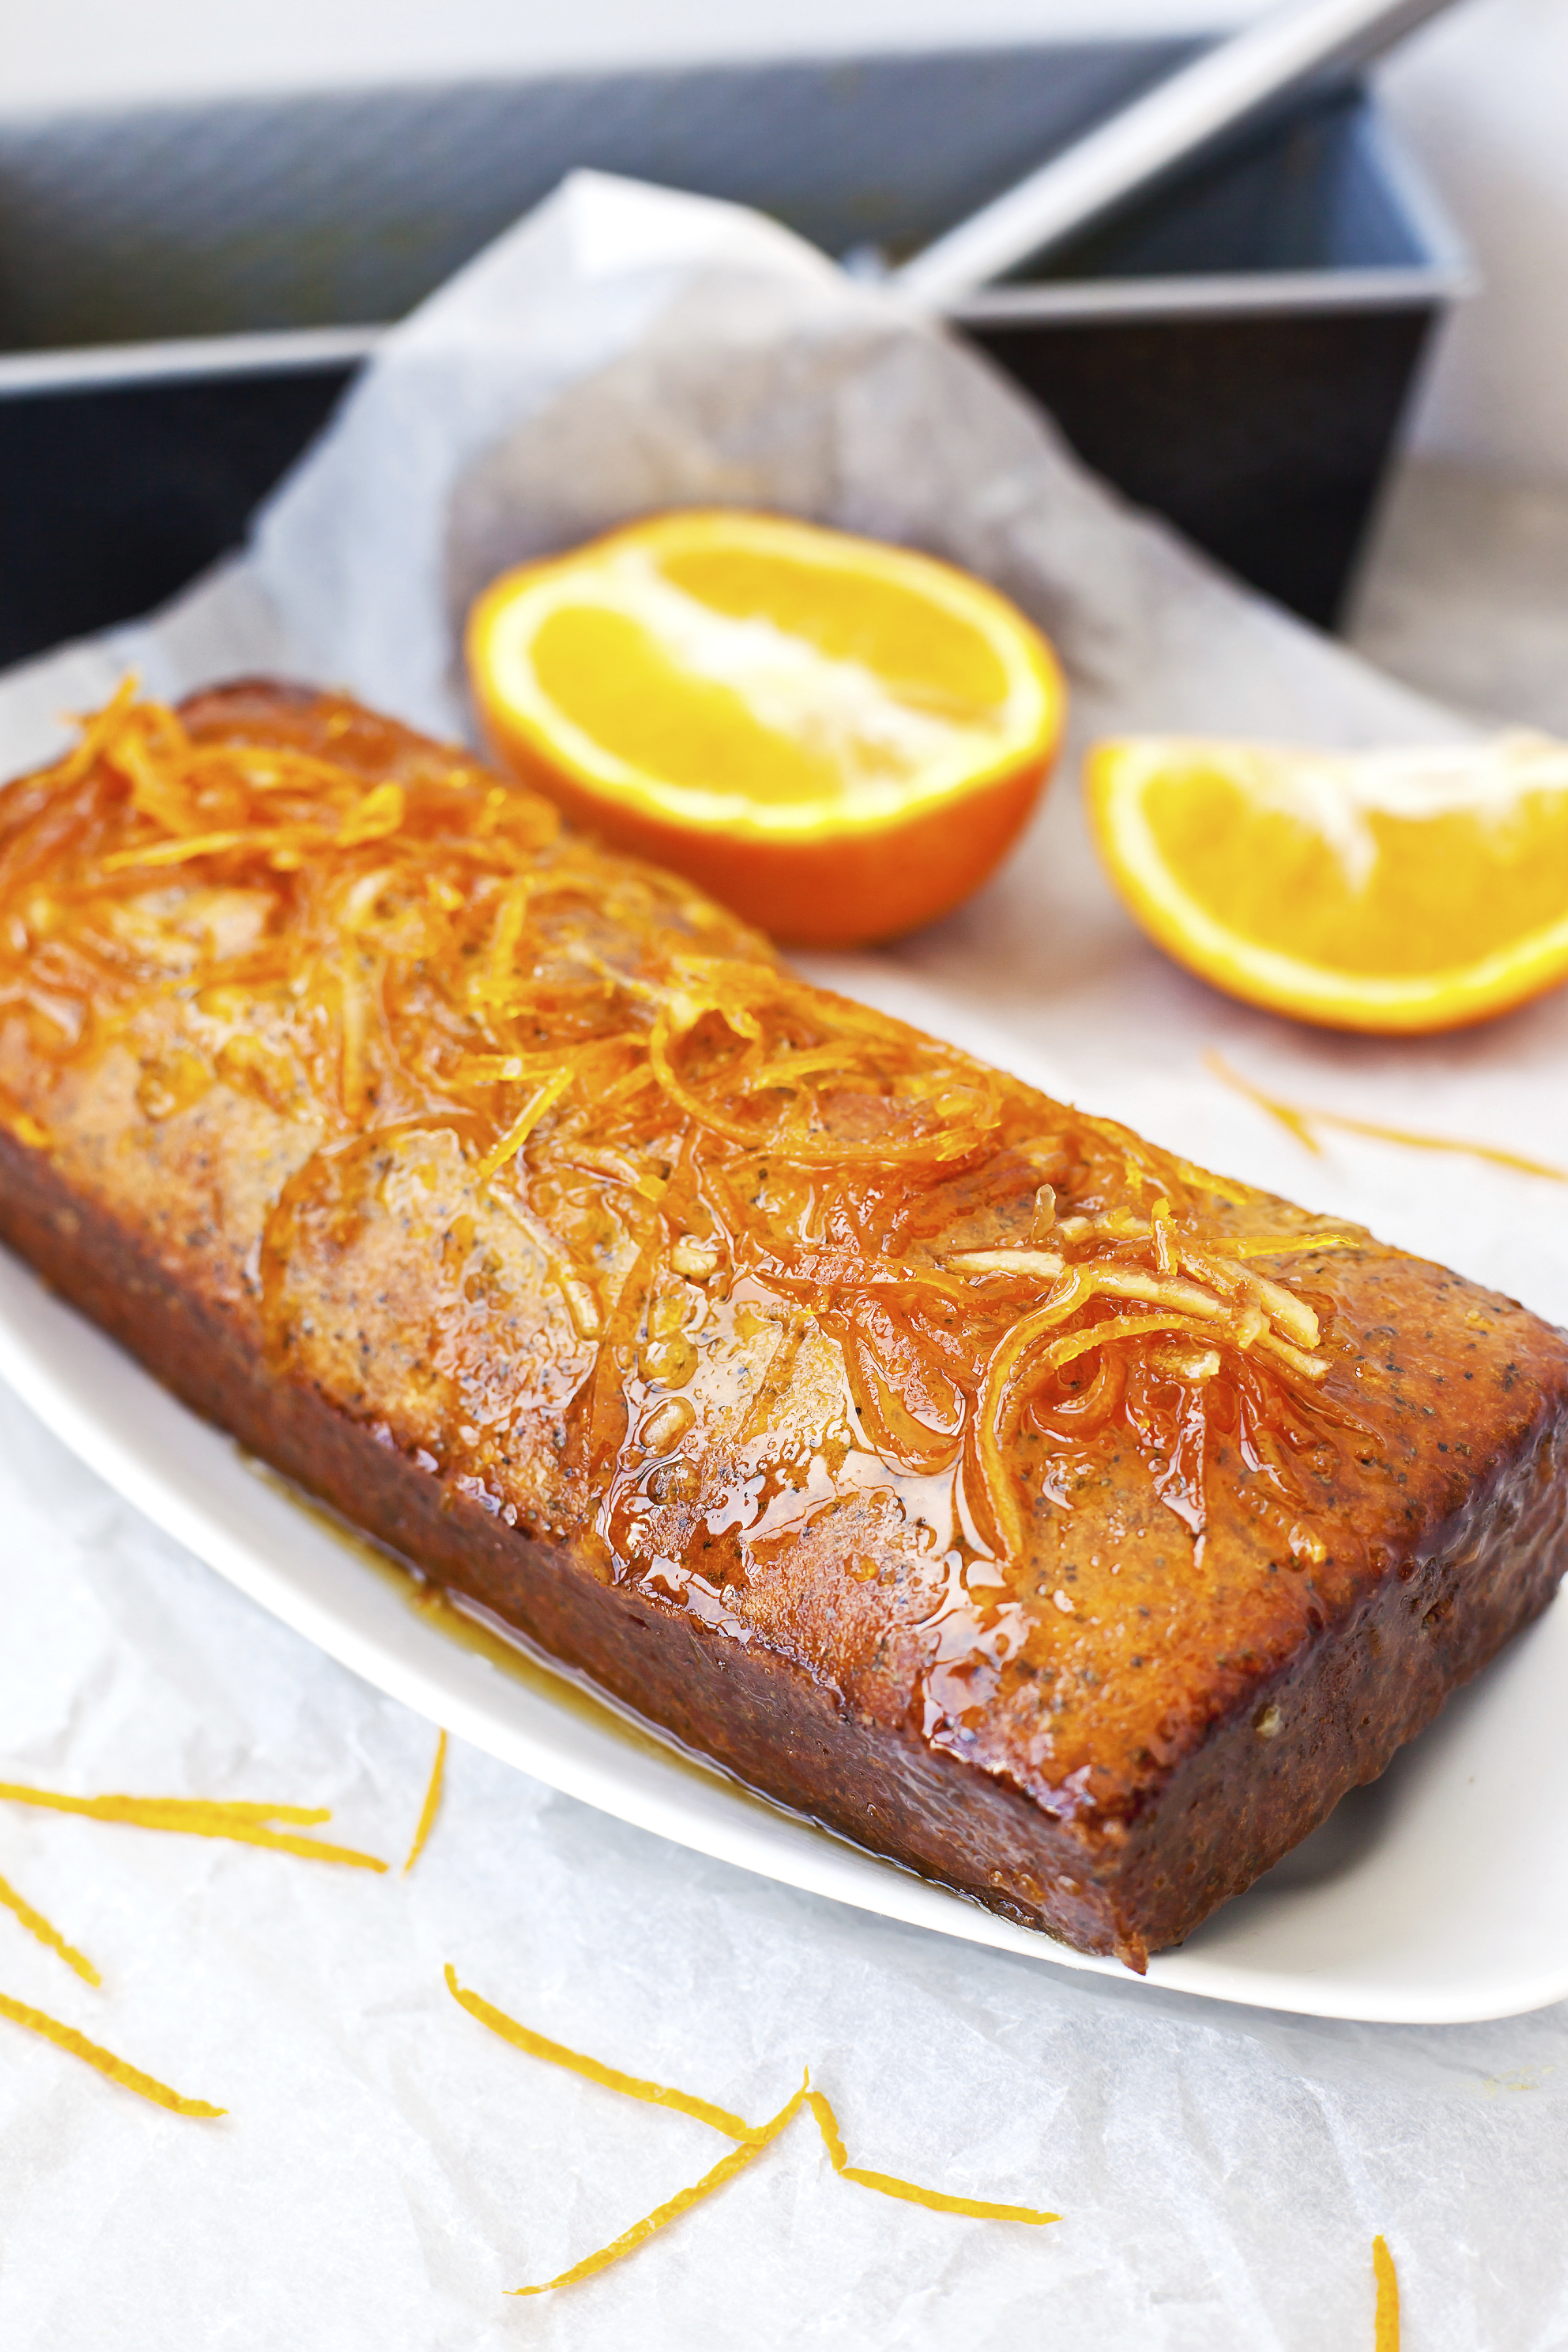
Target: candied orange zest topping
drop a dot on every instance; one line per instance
(92, 2054)
(431, 1806)
(1300, 1118)
(380, 812)
(247, 1824)
(1302, 1244)
(99, 729)
(1386, 2339)
(752, 2139)
(947, 1106)
(182, 852)
(543, 1098)
(47, 1934)
(1236, 1309)
(377, 942)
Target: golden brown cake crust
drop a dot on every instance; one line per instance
(804, 1452)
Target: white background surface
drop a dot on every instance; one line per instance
(1482, 96)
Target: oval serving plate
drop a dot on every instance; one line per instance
(1428, 1899)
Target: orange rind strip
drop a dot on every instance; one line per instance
(682, 2203)
(887, 2184)
(542, 1100)
(92, 2054)
(247, 1824)
(1247, 1245)
(750, 2138)
(431, 1806)
(97, 730)
(1239, 1320)
(47, 1933)
(556, 2054)
(1386, 2339)
(181, 851)
(1300, 1118)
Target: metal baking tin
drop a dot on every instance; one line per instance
(186, 289)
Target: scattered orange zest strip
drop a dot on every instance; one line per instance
(888, 2184)
(248, 1824)
(682, 2203)
(556, 2054)
(431, 1806)
(36, 1925)
(1300, 1118)
(131, 2078)
(1387, 2336)
(751, 2139)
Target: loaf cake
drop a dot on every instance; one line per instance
(1021, 1502)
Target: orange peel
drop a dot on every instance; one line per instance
(592, 2070)
(245, 1823)
(431, 1806)
(1386, 2337)
(1300, 1118)
(93, 2053)
(47, 1933)
(674, 2207)
(750, 2138)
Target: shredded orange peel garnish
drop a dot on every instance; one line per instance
(92, 2054)
(1386, 2339)
(245, 1823)
(627, 1075)
(1214, 1295)
(47, 1934)
(750, 2138)
(1300, 1118)
(431, 1806)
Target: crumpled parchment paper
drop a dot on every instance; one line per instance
(387, 2169)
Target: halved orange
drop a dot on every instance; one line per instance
(837, 738)
(1396, 891)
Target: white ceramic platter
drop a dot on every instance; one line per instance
(1436, 1896)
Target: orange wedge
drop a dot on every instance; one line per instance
(839, 739)
(1396, 891)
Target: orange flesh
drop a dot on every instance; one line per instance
(928, 655)
(609, 675)
(1443, 889)
(703, 661)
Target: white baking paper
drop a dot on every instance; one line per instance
(387, 2169)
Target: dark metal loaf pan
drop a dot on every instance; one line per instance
(185, 290)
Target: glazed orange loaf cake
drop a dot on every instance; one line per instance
(1027, 1505)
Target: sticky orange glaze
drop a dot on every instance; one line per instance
(538, 1162)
